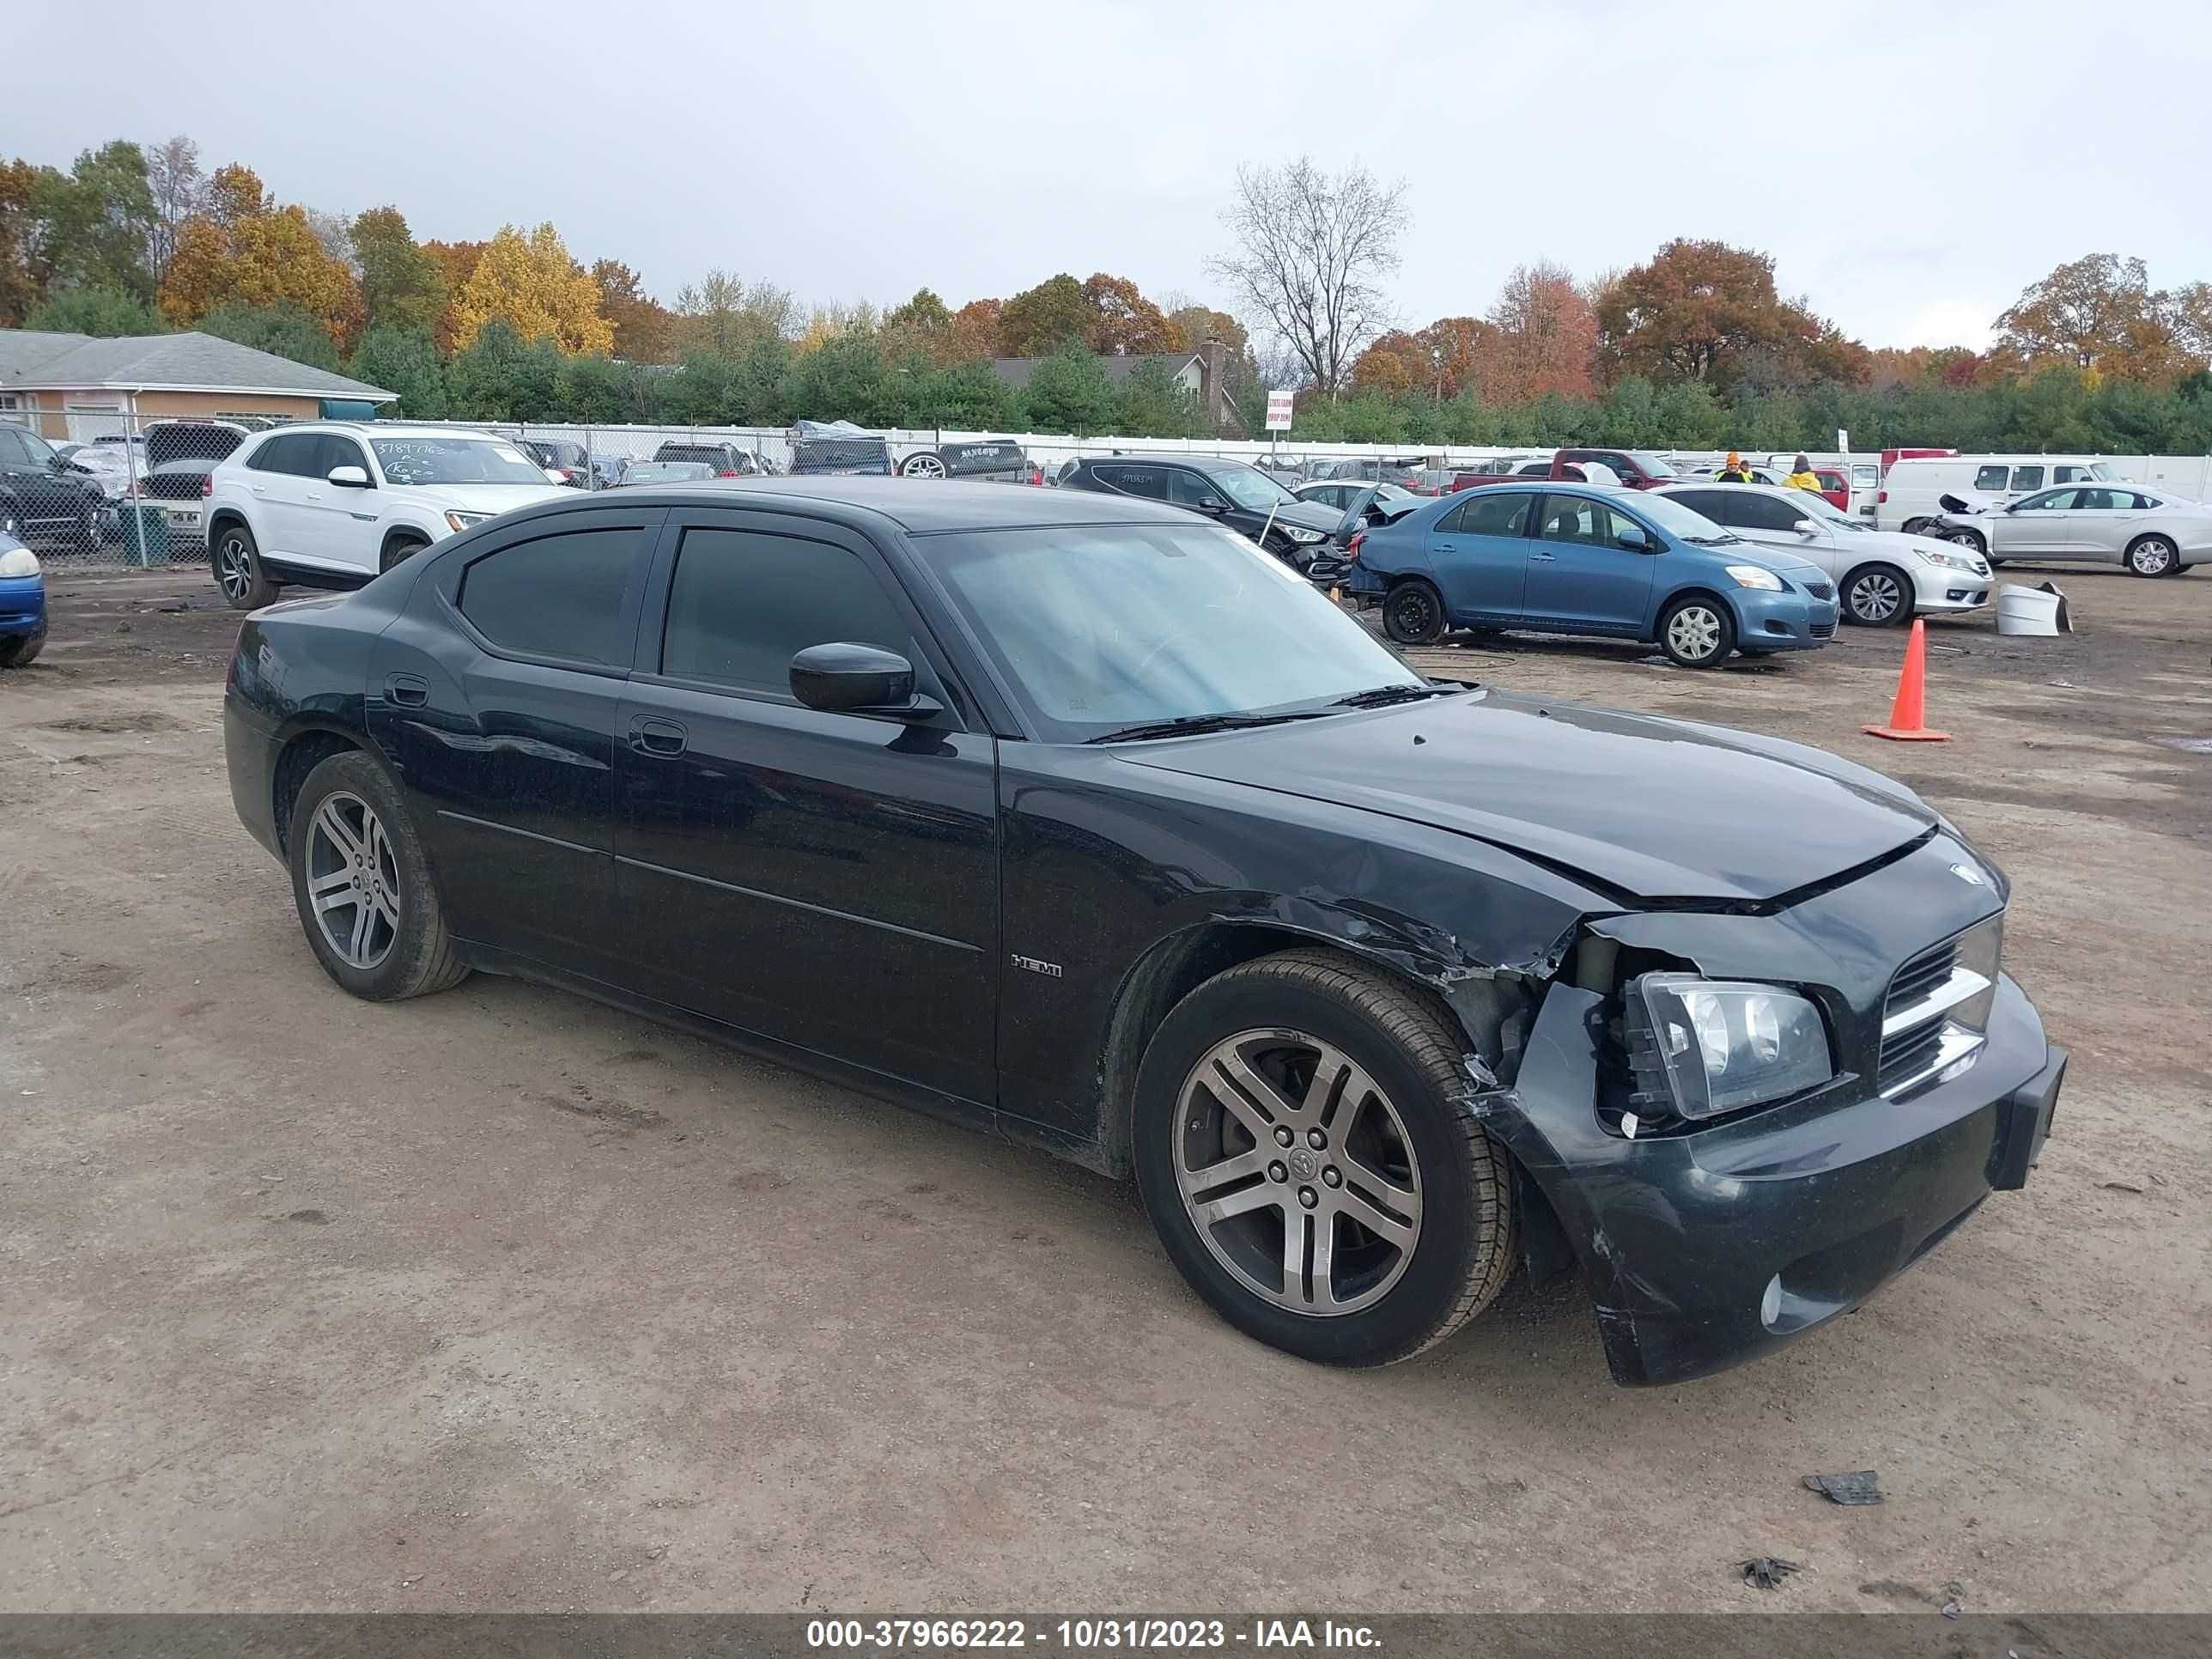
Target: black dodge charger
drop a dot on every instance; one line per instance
(1080, 819)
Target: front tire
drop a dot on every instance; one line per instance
(238, 570)
(361, 884)
(1878, 595)
(398, 551)
(21, 650)
(1384, 1224)
(923, 463)
(2152, 556)
(1696, 632)
(1413, 613)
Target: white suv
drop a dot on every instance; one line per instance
(335, 504)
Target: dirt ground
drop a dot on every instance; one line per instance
(499, 1299)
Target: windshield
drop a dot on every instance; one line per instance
(1652, 465)
(1249, 486)
(1819, 507)
(1102, 627)
(450, 460)
(1679, 521)
(667, 472)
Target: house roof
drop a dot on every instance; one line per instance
(1016, 371)
(165, 362)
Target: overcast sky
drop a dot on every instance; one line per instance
(1910, 166)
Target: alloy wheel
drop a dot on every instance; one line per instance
(1965, 538)
(353, 880)
(1875, 596)
(1694, 633)
(2150, 557)
(922, 466)
(234, 569)
(1298, 1172)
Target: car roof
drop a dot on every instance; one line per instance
(920, 507)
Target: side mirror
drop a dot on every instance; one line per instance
(551, 476)
(844, 678)
(1212, 505)
(349, 477)
(1806, 527)
(1631, 538)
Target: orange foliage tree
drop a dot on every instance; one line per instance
(243, 249)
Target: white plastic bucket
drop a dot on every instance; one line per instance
(2028, 610)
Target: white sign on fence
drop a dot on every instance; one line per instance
(1843, 441)
(1278, 411)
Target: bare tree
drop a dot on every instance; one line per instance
(335, 232)
(1311, 248)
(179, 190)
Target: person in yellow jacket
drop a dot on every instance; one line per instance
(1804, 477)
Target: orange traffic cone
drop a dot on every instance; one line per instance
(1908, 715)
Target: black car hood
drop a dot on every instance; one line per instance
(1654, 808)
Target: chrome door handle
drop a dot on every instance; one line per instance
(1548, 558)
(651, 736)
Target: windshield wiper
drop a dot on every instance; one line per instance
(1378, 696)
(1183, 726)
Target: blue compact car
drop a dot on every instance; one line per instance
(1588, 559)
(22, 603)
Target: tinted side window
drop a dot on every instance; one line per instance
(1715, 504)
(2027, 477)
(1766, 513)
(1574, 519)
(1990, 477)
(557, 596)
(1188, 489)
(338, 452)
(1144, 481)
(742, 605)
(1488, 513)
(267, 456)
(12, 450)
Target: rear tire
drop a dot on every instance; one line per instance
(1389, 1140)
(1413, 613)
(2151, 556)
(238, 570)
(361, 884)
(1696, 632)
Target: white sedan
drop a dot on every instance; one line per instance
(2152, 533)
(1883, 577)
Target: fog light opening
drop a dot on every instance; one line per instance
(1770, 1303)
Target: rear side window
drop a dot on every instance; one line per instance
(1145, 481)
(2027, 477)
(1990, 477)
(556, 596)
(1488, 513)
(292, 452)
(1714, 504)
(742, 605)
(1768, 513)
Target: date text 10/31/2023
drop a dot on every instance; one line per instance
(1085, 1635)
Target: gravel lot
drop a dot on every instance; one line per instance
(500, 1299)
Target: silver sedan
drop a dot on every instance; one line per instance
(2151, 533)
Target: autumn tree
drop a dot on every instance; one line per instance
(1041, 320)
(1311, 250)
(243, 249)
(1123, 322)
(2100, 312)
(457, 263)
(2189, 315)
(922, 326)
(402, 285)
(725, 315)
(1699, 310)
(530, 284)
(645, 330)
(1194, 325)
(96, 223)
(22, 276)
(976, 331)
(1545, 336)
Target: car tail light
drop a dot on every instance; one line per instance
(726, 473)
(1882, 496)
(207, 484)
(1351, 547)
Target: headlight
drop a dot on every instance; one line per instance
(19, 561)
(1302, 536)
(1751, 575)
(1702, 1047)
(1949, 560)
(462, 521)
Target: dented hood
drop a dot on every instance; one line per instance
(1651, 807)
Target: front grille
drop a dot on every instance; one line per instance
(1822, 630)
(1911, 1052)
(1821, 590)
(1920, 975)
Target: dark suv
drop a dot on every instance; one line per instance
(1234, 493)
(42, 500)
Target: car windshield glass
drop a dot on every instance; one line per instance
(1811, 506)
(1102, 627)
(444, 461)
(1679, 521)
(668, 471)
(1652, 465)
(1249, 486)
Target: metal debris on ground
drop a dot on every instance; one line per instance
(1767, 1572)
(2186, 745)
(1955, 1602)
(1860, 1486)
(2121, 1187)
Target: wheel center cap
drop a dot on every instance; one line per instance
(1305, 1165)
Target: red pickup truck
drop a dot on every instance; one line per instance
(1635, 469)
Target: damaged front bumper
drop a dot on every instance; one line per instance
(1709, 1246)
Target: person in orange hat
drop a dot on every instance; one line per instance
(1736, 471)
